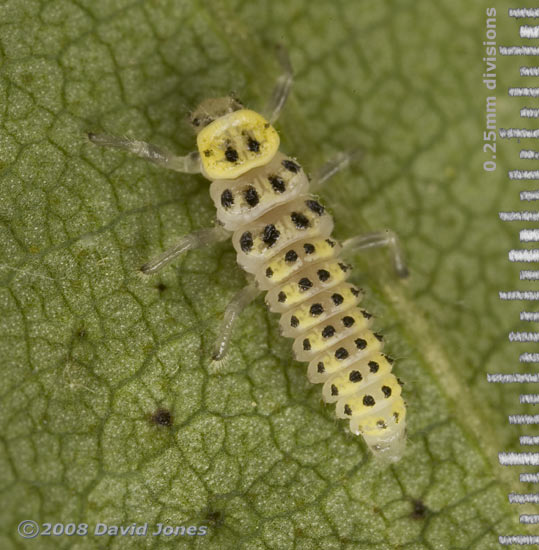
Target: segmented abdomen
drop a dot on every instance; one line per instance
(282, 236)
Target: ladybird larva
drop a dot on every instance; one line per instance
(282, 237)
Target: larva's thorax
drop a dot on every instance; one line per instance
(246, 198)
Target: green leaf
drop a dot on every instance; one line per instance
(91, 352)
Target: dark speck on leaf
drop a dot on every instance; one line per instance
(162, 417)
(420, 510)
(214, 518)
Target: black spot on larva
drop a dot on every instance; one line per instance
(277, 183)
(347, 410)
(323, 275)
(315, 207)
(365, 314)
(419, 509)
(334, 390)
(355, 376)
(328, 332)
(400, 382)
(291, 256)
(386, 390)
(378, 336)
(251, 196)
(161, 287)
(299, 220)
(294, 321)
(195, 122)
(309, 248)
(231, 154)
(380, 424)
(304, 284)
(355, 291)
(373, 366)
(162, 417)
(306, 344)
(316, 309)
(330, 242)
(320, 367)
(348, 321)
(360, 343)
(344, 267)
(246, 242)
(368, 401)
(253, 145)
(337, 299)
(390, 360)
(396, 417)
(341, 353)
(281, 297)
(208, 153)
(270, 234)
(227, 198)
(291, 166)
(269, 273)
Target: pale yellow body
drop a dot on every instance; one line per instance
(282, 237)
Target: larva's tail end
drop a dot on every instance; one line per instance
(390, 449)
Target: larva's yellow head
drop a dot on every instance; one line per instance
(232, 140)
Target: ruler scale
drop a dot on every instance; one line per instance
(515, 378)
(529, 478)
(527, 174)
(529, 358)
(518, 459)
(529, 315)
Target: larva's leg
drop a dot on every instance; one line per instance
(334, 165)
(380, 238)
(197, 239)
(189, 164)
(233, 310)
(282, 87)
